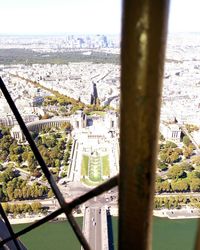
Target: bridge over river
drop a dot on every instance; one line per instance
(96, 228)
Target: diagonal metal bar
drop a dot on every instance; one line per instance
(12, 234)
(44, 168)
(33, 226)
(144, 26)
(34, 148)
(111, 183)
(68, 206)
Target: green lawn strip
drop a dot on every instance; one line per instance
(106, 165)
(101, 113)
(95, 169)
(84, 165)
(89, 182)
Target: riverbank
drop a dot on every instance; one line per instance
(32, 219)
(183, 213)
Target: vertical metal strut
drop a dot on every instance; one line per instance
(142, 57)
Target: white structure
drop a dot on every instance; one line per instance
(17, 133)
(171, 132)
(112, 120)
(78, 120)
(196, 136)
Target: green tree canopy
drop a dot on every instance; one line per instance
(186, 140)
(175, 172)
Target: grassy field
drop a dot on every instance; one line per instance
(95, 169)
(88, 182)
(84, 165)
(101, 113)
(106, 165)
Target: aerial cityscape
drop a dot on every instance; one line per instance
(72, 113)
(64, 74)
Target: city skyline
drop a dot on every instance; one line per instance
(91, 17)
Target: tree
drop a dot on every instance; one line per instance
(188, 151)
(34, 134)
(196, 160)
(67, 126)
(57, 163)
(162, 186)
(10, 193)
(14, 158)
(195, 184)
(5, 206)
(175, 172)
(187, 166)
(178, 151)
(45, 116)
(2, 196)
(163, 156)
(191, 127)
(25, 155)
(162, 166)
(170, 144)
(161, 137)
(36, 207)
(50, 194)
(1, 167)
(186, 140)
(179, 185)
(165, 186)
(174, 157)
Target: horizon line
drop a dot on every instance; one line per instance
(59, 33)
(82, 33)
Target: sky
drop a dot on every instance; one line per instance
(84, 16)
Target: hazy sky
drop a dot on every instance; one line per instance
(84, 16)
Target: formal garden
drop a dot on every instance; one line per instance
(95, 168)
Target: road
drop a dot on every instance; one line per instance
(95, 229)
(185, 131)
(75, 189)
(190, 194)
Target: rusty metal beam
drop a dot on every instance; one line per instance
(144, 28)
(197, 244)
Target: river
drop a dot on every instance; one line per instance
(167, 235)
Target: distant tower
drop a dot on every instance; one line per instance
(94, 94)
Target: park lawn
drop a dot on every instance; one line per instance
(88, 182)
(106, 165)
(101, 113)
(84, 165)
(95, 169)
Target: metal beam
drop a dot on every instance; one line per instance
(144, 28)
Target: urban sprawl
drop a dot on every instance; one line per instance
(67, 90)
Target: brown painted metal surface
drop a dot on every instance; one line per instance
(197, 246)
(143, 45)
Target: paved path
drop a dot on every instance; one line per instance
(185, 131)
(95, 227)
